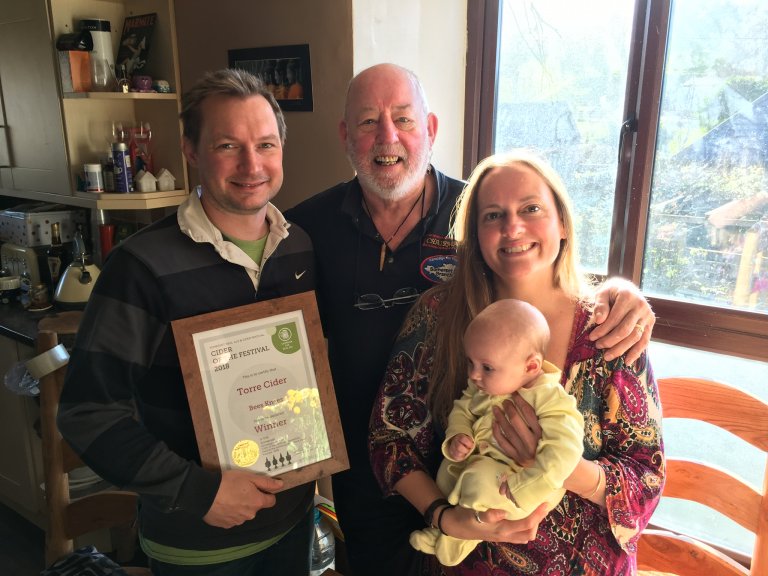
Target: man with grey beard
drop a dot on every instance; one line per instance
(380, 240)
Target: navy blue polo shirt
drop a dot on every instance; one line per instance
(348, 251)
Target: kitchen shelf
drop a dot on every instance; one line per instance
(106, 201)
(134, 200)
(122, 95)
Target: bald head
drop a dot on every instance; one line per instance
(372, 79)
(512, 321)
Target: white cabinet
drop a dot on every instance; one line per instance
(32, 146)
(84, 120)
(21, 464)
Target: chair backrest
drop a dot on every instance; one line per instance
(743, 415)
(68, 518)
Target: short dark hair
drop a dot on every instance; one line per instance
(224, 82)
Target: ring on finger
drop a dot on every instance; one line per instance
(477, 517)
(640, 328)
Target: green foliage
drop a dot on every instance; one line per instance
(749, 87)
(685, 257)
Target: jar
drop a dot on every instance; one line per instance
(94, 178)
(39, 297)
(9, 289)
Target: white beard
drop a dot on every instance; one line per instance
(391, 189)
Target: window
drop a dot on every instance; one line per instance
(707, 237)
(560, 89)
(656, 114)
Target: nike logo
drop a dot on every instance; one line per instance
(299, 274)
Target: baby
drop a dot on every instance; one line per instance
(504, 346)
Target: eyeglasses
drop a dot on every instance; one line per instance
(373, 301)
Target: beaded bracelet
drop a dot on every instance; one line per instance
(440, 518)
(430, 511)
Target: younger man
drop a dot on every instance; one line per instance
(227, 246)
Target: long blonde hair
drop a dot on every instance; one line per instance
(471, 289)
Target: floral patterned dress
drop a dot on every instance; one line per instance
(622, 415)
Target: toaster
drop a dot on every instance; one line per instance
(16, 259)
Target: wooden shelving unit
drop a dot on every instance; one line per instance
(89, 117)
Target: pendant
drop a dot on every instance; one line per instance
(382, 256)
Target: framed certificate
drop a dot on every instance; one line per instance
(260, 390)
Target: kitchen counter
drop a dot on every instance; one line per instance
(20, 324)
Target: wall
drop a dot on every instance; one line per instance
(427, 36)
(430, 38)
(313, 158)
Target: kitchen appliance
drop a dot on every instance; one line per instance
(16, 259)
(77, 282)
(101, 35)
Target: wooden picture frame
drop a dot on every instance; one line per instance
(257, 379)
(285, 70)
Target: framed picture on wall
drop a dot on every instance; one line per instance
(284, 69)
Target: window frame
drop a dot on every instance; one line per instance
(711, 328)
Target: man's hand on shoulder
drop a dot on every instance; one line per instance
(241, 495)
(625, 320)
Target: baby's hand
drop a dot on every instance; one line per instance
(460, 447)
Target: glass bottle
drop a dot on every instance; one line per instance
(55, 254)
(139, 146)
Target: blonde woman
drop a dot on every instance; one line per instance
(515, 232)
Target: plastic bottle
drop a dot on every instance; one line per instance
(122, 167)
(323, 546)
(25, 288)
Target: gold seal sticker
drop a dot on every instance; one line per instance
(245, 453)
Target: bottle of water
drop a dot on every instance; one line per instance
(323, 546)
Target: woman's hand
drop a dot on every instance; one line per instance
(625, 320)
(492, 527)
(516, 430)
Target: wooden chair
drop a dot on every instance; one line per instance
(743, 415)
(68, 519)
